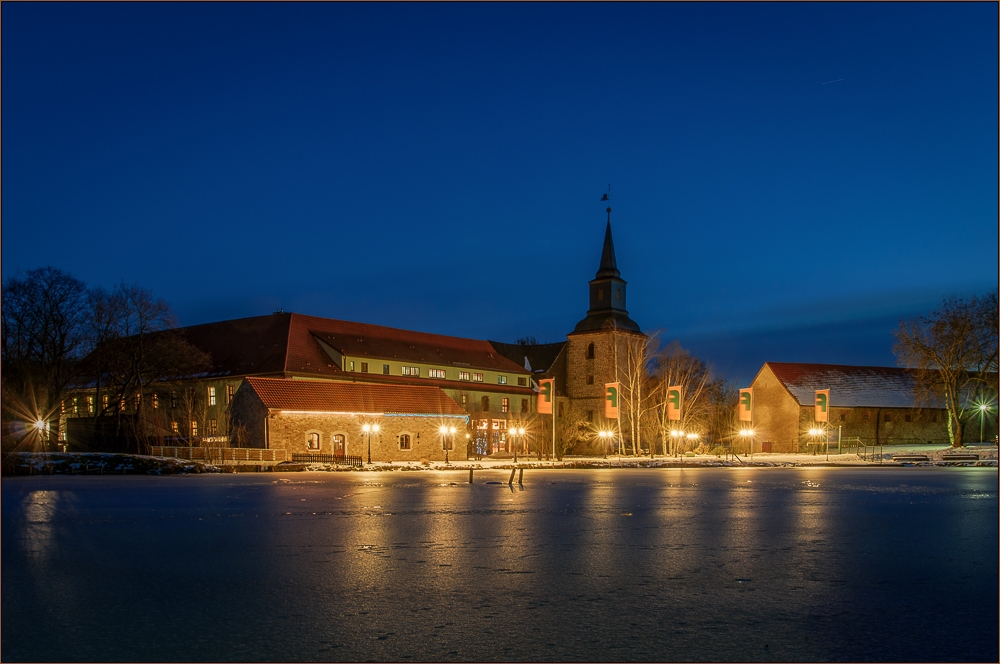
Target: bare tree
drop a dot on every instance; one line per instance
(953, 353)
(633, 354)
(672, 365)
(43, 337)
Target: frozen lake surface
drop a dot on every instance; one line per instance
(809, 564)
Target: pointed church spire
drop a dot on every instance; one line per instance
(609, 266)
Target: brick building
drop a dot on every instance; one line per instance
(875, 404)
(329, 418)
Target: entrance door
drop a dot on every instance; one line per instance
(339, 444)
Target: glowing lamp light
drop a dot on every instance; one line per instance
(746, 432)
(40, 425)
(815, 432)
(983, 406)
(692, 436)
(604, 434)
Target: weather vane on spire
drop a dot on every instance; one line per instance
(607, 197)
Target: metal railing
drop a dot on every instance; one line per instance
(340, 459)
(213, 454)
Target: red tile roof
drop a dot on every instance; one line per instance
(340, 397)
(850, 386)
(287, 343)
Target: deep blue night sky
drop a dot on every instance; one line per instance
(787, 180)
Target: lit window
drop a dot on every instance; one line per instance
(156, 400)
(404, 441)
(90, 405)
(104, 401)
(211, 396)
(121, 405)
(522, 381)
(213, 427)
(524, 405)
(62, 407)
(230, 393)
(505, 405)
(485, 403)
(364, 367)
(312, 442)
(173, 399)
(477, 378)
(463, 375)
(194, 428)
(76, 406)
(465, 400)
(385, 369)
(174, 427)
(436, 373)
(352, 365)
(411, 371)
(137, 400)
(501, 380)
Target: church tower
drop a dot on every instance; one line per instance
(597, 349)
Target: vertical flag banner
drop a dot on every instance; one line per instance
(546, 391)
(822, 405)
(745, 407)
(611, 392)
(674, 403)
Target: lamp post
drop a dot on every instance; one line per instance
(982, 411)
(447, 440)
(369, 429)
(747, 434)
(514, 432)
(813, 433)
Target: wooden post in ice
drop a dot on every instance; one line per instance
(510, 482)
(520, 477)
(470, 476)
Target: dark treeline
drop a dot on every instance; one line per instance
(61, 336)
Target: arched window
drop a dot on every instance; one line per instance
(590, 352)
(404, 441)
(312, 441)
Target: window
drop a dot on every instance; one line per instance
(436, 373)
(522, 381)
(505, 405)
(174, 427)
(385, 369)
(156, 400)
(524, 405)
(230, 393)
(104, 401)
(312, 441)
(76, 406)
(364, 367)
(90, 405)
(590, 379)
(404, 441)
(465, 400)
(501, 380)
(173, 399)
(411, 371)
(843, 417)
(908, 418)
(864, 418)
(213, 427)
(194, 428)
(211, 396)
(62, 407)
(463, 375)
(352, 365)
(887, 418)
(121, 405)
(485, 404)
(136, 400)
(477, 378)
(590, 416)
(590, 352)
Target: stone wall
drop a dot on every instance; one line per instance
(288, 431)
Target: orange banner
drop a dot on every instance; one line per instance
(745, 406)
(822, 413)
(611, 396)
(674, 403)
(546, 393)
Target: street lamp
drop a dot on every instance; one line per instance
(982, 411)
(447, 440)
(513, 432)
(605, 439)
(369, 429)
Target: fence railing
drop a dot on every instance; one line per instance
(219, 453)
(341, 459)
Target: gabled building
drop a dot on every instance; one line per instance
(380, 422)
(875, 404)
